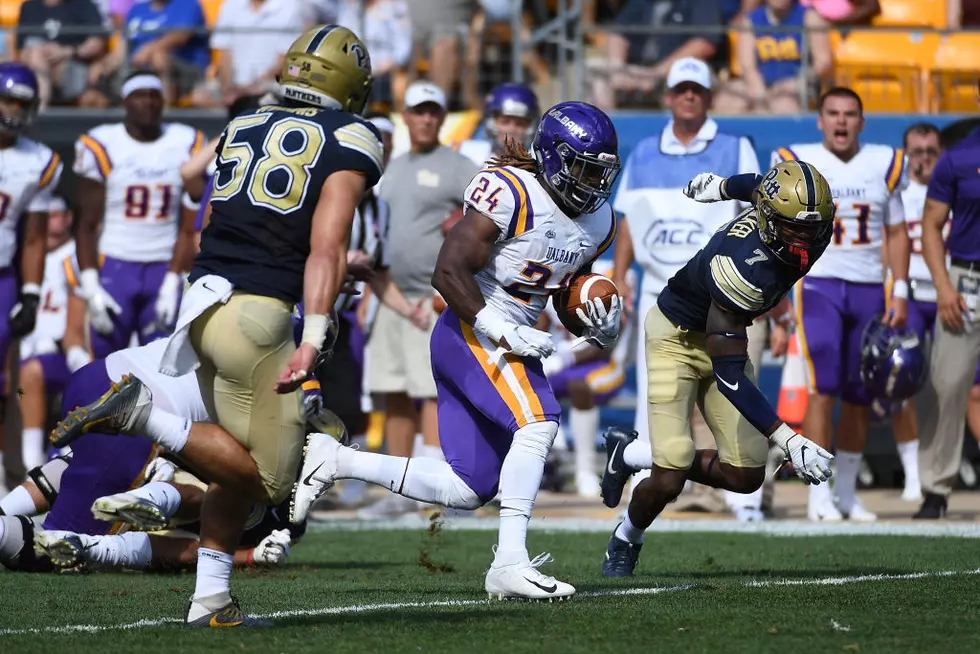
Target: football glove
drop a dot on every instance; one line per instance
(101, 305)
(167, 299)
(705, 187)
(520, 339)
(601, 326)
(810, 461)
(24, 314)
(273, 549)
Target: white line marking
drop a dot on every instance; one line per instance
(395, 606)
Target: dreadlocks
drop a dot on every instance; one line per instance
(516, 155)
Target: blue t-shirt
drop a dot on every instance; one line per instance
(956, 182)
(779, 55)
(143, 21)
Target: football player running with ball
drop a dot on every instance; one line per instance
(696, 352)
(531, 224)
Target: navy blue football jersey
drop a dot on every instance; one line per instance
(271, 165)
(736, 271)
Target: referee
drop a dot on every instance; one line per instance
(954, 187)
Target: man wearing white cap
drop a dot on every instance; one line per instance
(662, 228)
(422, 187)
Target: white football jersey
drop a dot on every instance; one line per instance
(539, 249)
(914, 200)
(52, 314)
(142, 187)
(178, 395)
(29, 173)
(477, 150)
(868, 193)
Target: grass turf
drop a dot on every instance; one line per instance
(718, 612)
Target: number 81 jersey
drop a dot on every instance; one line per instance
(142, 187)
(539, 249)
(868, 194)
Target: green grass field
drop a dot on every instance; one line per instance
(411, 591)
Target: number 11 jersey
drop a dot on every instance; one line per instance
(868, 194)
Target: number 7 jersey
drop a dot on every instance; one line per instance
(142, 187)
(868, 194)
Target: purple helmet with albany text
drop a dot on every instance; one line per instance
(511, 99)
(893, 362)
(18, 83)
(577, 151)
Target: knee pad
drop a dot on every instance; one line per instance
(674, 453)
(536, 438)
(47, 477)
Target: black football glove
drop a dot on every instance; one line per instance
(24, 314)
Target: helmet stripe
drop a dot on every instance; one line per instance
(811, 187)
(318, 38)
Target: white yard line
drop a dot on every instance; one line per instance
(397, 606)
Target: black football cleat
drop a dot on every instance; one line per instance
(616, 473)
(621, 557)
(933, 507)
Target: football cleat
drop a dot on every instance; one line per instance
(137, 512)
(316, 476)
(64, 548)
(587, 485)
(621, 557)
(933, 507)
(229, 615)
(616, 473)
(121, 410)
(855, 511)
(823, 510)
(525, 581)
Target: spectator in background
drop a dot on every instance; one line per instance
(167, 37)
(60, 57)
(422, 187)
(962, 13)
(117, 11)
(251, 37)
(639, 63)
(321, 12)
(386, 29)
(438, 28)
(845, 12)
(771, 62)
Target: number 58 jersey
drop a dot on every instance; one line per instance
(142, 187)
(539, 249)
(868, 194)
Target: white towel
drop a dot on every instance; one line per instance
(180, 358)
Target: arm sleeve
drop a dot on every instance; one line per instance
(731, 289)
(744, 395)
(741, 187)
(362, 145)
(499, 195)
(942, 185)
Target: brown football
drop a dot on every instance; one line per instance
(582, 289)
(451, 220)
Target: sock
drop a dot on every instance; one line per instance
(213, 573)
(32, 447)
(11, 538)
(821, 493)
(417, 445)
(18, 502)
(160, 493)
(737, 501)
(520, 479)
(638, 455)
(128, 550)
(432, 452)
(584, 425)
(845, 477)
(419, 478)
(909, 454)
(626, 531)
(167, 429)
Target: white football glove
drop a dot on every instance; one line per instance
(167, 299)
(705, 187)
(521, 340)
(159, 469)
(273, 549)
(101, 305)
(601, 326)
(562, 359)
(810, 461)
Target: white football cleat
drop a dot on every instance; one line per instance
(749, 514)
(138, 512)
(64, 548)
(316, 476)
(823, 511)
(587, 485)
(854, 510)
(524, 581)
(912, 493)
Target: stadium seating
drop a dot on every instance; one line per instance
(912, 13)
(955, 73)
(889, 70)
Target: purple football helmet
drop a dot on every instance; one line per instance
(18, 82)
(577, 151)
(511, 99)
(893, 363)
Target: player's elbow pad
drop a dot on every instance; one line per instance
(741, 187)
(735, 385)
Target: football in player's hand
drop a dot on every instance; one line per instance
(582, 289)
(451, 220)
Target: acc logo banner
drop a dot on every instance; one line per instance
(674, 241)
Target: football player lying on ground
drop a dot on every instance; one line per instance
(76, 537)
(697, 352)
(530, 225)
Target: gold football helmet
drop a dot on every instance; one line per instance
(796, 212)
(327, 67)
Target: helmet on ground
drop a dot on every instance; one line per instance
(512, 99)
(893, 362)
(796, 212)
(18, 82)
(577, 151)
(328, 66)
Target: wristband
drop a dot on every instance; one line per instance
(900, 288)
(30, 288)
(315, 329)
